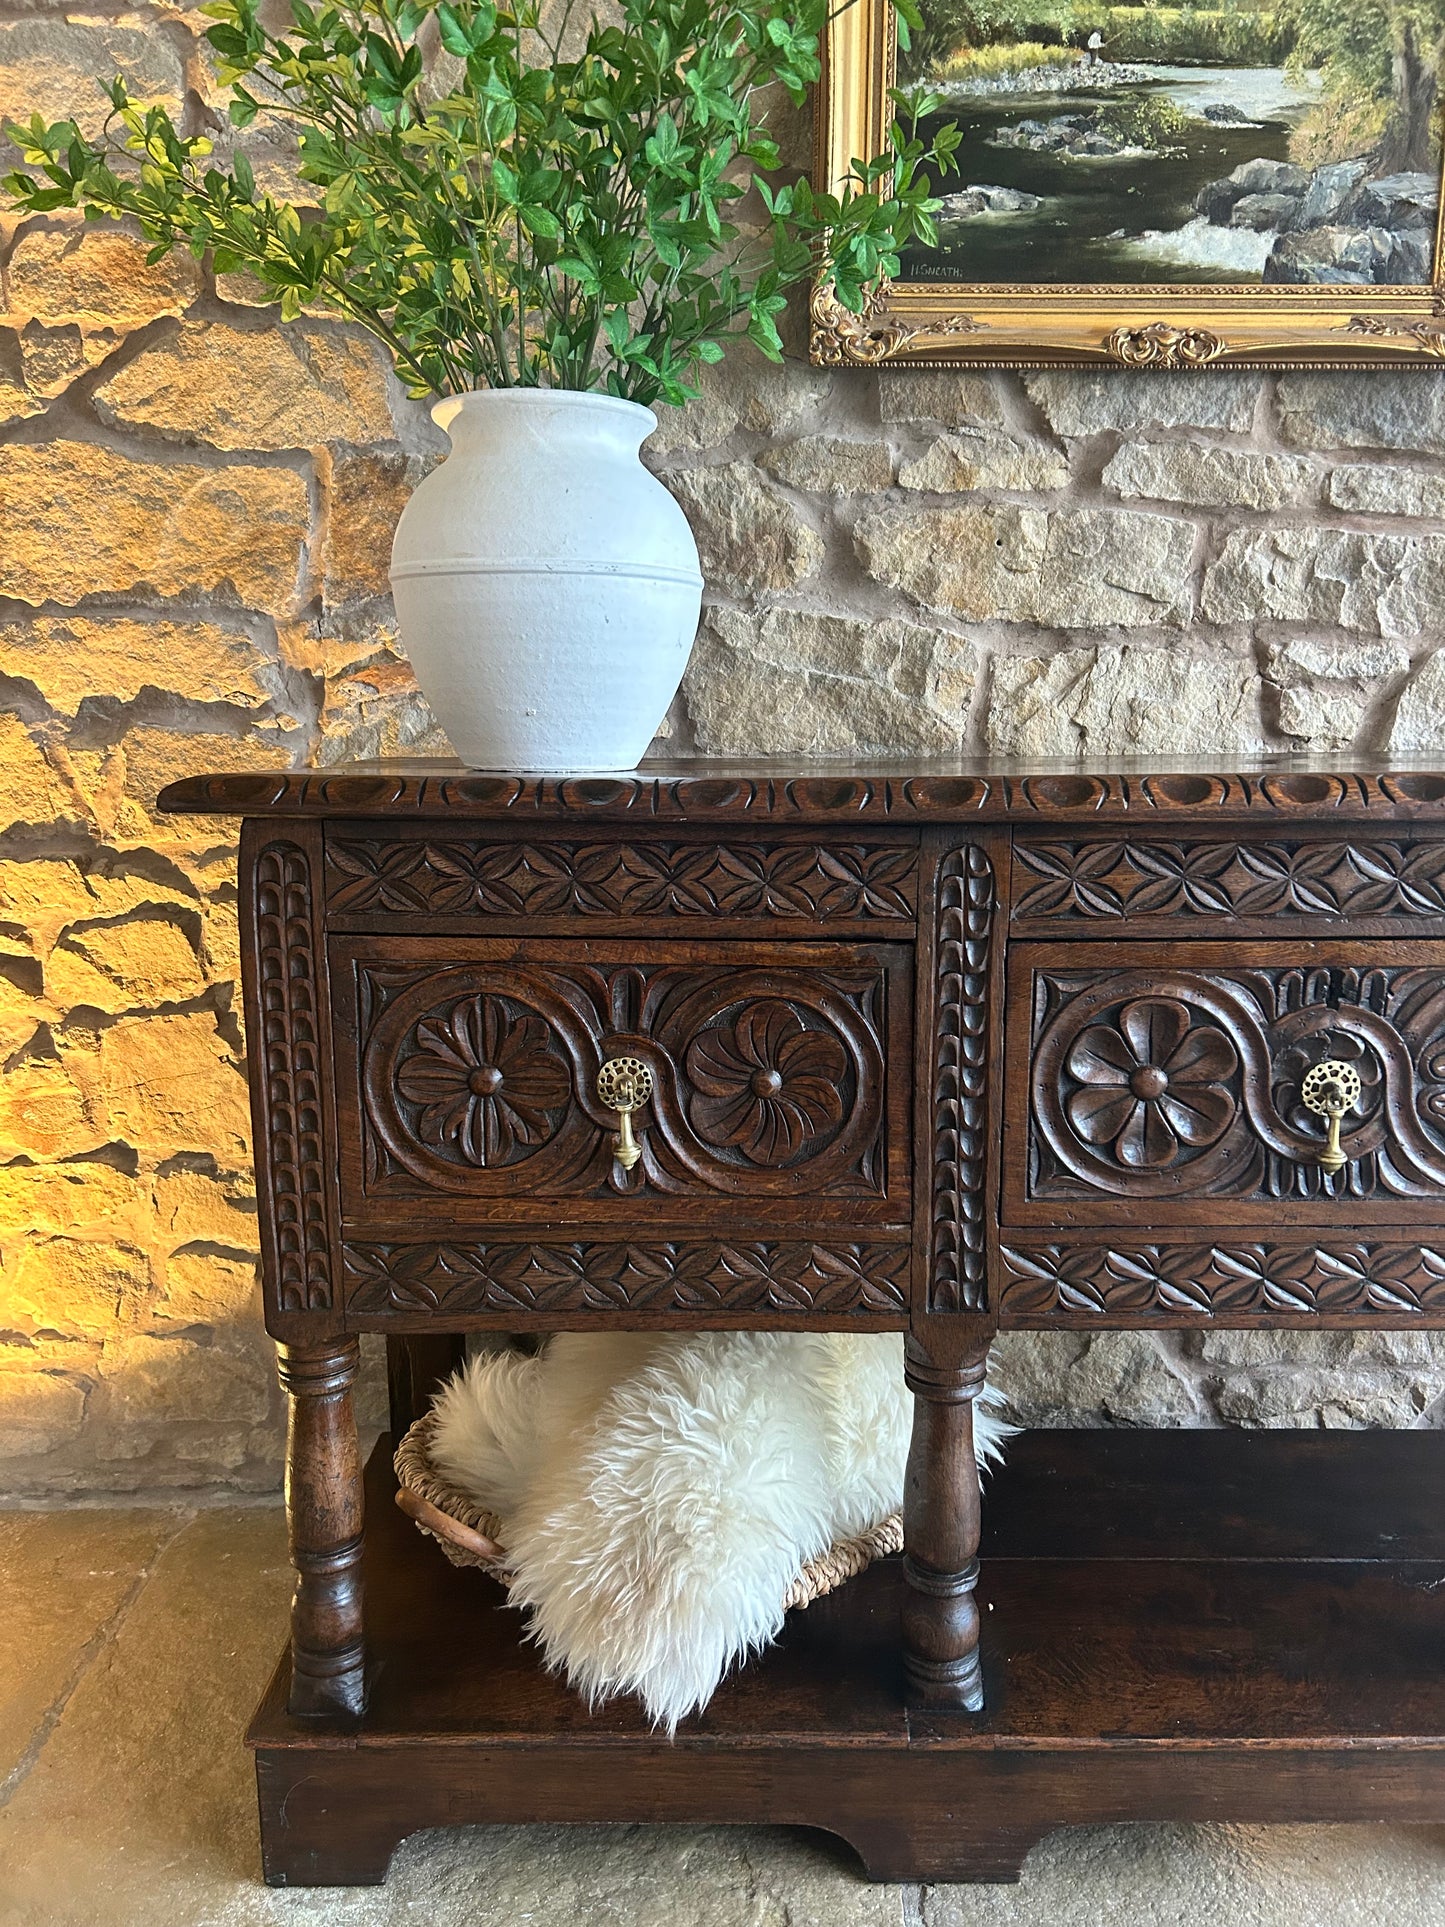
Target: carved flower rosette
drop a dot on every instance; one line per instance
(1152, 1086)
(485, 1084)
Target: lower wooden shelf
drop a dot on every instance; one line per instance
(1177, 1626)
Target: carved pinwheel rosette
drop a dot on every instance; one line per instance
(766, 1085)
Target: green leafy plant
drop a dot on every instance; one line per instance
(505, 206)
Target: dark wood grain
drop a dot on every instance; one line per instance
(961, 933)
(416, 1365)
(285, 990)
(1242, 885)
(1169, 1673)
(580, 1285)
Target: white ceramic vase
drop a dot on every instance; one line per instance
(546, 584)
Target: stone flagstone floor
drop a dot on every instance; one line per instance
(134, 1642)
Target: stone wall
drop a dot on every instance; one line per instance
(197, 506)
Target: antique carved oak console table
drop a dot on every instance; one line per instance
(931, 1049)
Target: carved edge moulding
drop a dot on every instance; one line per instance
(943, 794)
(960, 325)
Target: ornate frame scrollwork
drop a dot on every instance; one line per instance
(1152, 325)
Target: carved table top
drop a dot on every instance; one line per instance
(919, 790)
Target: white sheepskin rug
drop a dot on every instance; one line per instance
(659, 1493)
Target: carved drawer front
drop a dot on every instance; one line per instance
(468, 1077)
(1165, 1085)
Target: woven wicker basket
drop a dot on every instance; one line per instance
(468, 1536)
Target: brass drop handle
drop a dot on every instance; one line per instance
(1331, 1090)
(624, 1085)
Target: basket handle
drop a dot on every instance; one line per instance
(433, 1519)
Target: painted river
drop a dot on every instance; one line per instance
(1118, 217)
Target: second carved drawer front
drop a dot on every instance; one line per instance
(1153, 1084)
(468, 1075)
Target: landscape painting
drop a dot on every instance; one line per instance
(1281, 145)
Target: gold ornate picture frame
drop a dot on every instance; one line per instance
(964, 324)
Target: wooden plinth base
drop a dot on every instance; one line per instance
(1176, 1626)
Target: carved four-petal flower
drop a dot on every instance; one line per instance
(486, 1079)
(766, 1084)
(1151, 1082)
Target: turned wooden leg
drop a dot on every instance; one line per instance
(941, 1518)
(324, 1520)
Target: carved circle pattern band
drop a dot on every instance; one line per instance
(1173, 1083)
(1228, 880)
(291, 1051)
(816, 883)
(958, 1280)
(859, 1280)
(1157, 1283)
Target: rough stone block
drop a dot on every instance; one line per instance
(951, 399)
(1208, 476)
(1385, 408)
(1077, 403)
(1382, 585)
(1113, 701)
(1327, 689)
(822, 685)
(1419, 724)
(82, 520)
(124, 966)
(76, 1288)
(69, 658)
(1079, 1378)
(369, 490)
(748, 535)
(96, 277)
(267, 388)
(58, 68)
(40, 1409)
(827, 466)
(167, 1084)
(1077, 567)
(31, 788)
(1383, 488)
(982, 458)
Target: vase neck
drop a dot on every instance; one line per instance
(546, 415)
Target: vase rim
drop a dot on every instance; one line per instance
(445, 411)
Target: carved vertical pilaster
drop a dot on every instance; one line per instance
(963, 928)
(286, 1038)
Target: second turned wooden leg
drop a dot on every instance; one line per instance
(324, 1522)
(941, 1519)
